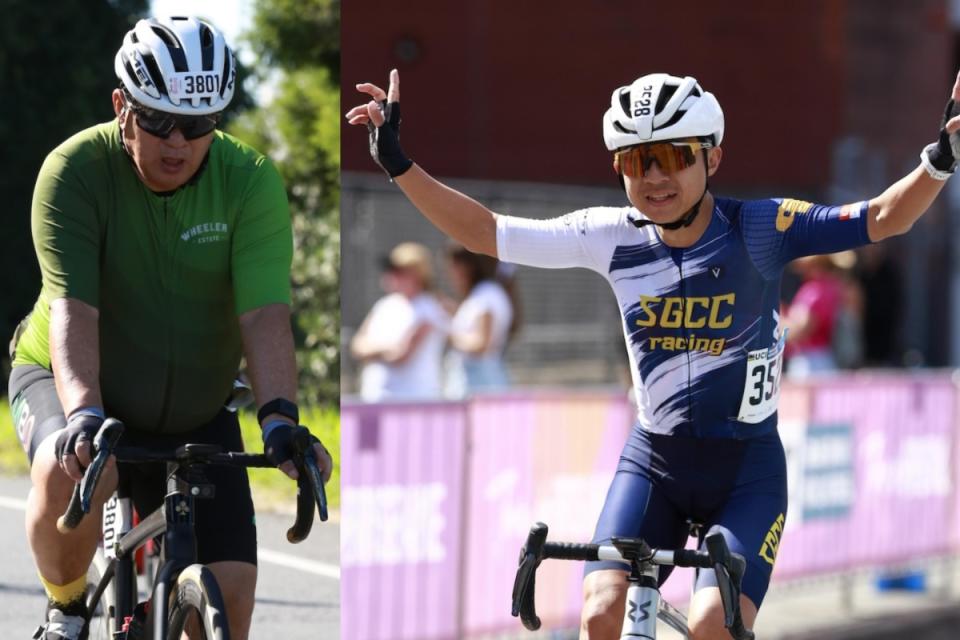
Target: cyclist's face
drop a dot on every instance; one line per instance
(664, 197)
(162, 164)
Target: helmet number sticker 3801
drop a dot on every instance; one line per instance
(761, 389)
(203, 85)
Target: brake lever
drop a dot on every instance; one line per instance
(729, 568)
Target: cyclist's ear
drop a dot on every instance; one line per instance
(118, 105)
(713, 160)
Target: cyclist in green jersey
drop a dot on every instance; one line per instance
(165, 249)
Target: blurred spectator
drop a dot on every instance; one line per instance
(401, 341)
(824, 317)
(880, 281)
(485, 320)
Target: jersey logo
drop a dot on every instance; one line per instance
(694, 312)
(788, 210)
(206, 233)
(771, 542)
(716, 271)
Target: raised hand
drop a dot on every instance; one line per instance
(381, 116)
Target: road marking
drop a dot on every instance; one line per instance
(294, 562)
(265, 555)
(13, 503)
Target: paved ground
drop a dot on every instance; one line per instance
(298, 591)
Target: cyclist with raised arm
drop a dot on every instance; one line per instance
(165, 248)
(697, 280)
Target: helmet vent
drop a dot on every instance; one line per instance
(664, 97)
(625, 102)
(155, 74)
(674, 120)
(206, 37)
(225, 76)
(168, 38)
(206, 48)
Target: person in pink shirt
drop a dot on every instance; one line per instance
(812, 317)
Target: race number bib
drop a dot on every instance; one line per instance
(761, 389)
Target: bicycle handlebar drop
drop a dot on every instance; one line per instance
(103, 445)
(310, 489)
(728, 566)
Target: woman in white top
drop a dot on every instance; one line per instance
(482, 325)
(401, 341)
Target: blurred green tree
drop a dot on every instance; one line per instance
(298, 61)
(56, 75)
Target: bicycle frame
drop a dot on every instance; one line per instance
(174, 519)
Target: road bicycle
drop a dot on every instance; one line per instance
(644, 604)
(180, 589)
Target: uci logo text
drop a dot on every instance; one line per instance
(641, 107)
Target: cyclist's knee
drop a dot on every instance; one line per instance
(602, 616)
(52, 487)
(49, 480)
(705, 619)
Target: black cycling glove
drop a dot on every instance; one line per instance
(385, 142)
(81, 426)
(278, 445)
(943, 154)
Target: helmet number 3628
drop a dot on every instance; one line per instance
(641, 107)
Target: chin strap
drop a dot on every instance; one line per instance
(683, 221)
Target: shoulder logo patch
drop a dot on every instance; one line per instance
(788, 210)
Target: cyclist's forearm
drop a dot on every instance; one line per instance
(457, 215)
(268, 347)
(75, 353)
(895, 210)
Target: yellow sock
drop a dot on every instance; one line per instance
(67, 596)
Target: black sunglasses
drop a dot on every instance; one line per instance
(161, 124)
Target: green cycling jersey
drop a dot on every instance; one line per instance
(169, 273)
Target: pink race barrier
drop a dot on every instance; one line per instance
(437, 498)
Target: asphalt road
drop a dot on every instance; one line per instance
(298, 590)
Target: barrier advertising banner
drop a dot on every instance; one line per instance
(438, 497)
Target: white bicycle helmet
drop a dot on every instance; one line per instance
(178, 65)
(659, 107)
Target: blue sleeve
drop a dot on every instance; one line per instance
(778, 230)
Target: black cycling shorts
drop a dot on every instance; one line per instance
(225, 525)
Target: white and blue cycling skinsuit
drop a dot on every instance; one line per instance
(702, 331)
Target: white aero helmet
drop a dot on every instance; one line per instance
(660, 107)
(177, 65)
